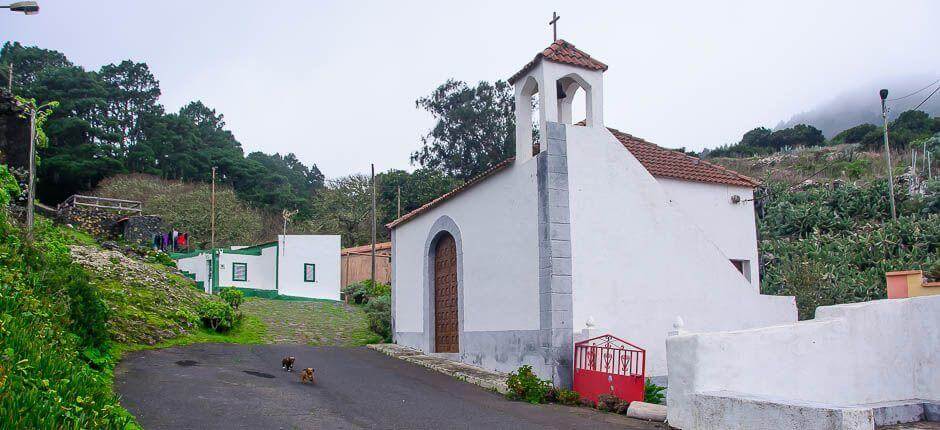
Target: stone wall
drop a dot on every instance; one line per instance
(14, 133)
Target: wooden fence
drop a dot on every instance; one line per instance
(119, 205)
(356, 266)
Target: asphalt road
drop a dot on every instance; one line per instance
(218, 386)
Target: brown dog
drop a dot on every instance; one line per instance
(307, 375)
(287, 363)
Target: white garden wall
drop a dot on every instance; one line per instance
(262, 272)
(638, 262)
(320, 250)
(198, 265)
(851, 355)
(730, 226)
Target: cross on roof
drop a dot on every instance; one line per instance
(554, 24)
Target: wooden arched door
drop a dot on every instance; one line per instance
(445, 295)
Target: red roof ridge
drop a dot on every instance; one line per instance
(473, 181)
(561, 51)
(676, 172)
(381, 246)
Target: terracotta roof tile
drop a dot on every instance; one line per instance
(365, 249)
(561, 52)
(668, 163)
(660, 162)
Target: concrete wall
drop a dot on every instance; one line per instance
(730, 226)
(496, 230)
(321, 250)
(638, 262)
(262, 270)
(850, 355)
(197, 265)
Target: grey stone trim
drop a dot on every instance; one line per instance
(394, 335)
(443, 224)
(502, 351)
(555, 303)
(410, 339)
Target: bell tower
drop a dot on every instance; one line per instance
(555, 75)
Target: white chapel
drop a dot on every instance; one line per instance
(587, 224)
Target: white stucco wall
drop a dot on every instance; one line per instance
(261, 269)
(855, 354)
(731, 226)
(498, 225)
(638, 262)
(197, 265)
(321, 250)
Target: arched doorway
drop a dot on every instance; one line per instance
(445, 295)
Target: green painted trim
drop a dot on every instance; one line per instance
(233, 271)
(314, 272)
(180, 255)
(252, 292)
(250, 250)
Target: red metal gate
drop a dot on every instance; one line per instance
(609, 365)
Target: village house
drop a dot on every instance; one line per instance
(587, 226)
(293, 265)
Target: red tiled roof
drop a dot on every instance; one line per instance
(561, 52)
(667, 163)
(473, 181)
(660, 162)
(365, 249)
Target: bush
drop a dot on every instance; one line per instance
(162, 258)
(363, 291)
(218, 316)
(525, 385)
(653, 393)
(233, 296)
(379, 313)
(568, 397)
(612, 403)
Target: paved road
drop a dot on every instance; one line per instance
(237, 386)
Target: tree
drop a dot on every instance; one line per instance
(417, 189)
(855, 134)
(132, 92)
(475, 128)
(800, 135)
(344, 207)
(29, 61)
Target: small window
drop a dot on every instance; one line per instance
(310, 272)
(239, 271)
(743, 266)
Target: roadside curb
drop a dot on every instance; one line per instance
(487, 379)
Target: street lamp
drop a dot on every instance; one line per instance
(26, 7)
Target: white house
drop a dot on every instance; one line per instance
(589, 224)
(293, 265)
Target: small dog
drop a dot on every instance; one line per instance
(287, 363)
(307, 375)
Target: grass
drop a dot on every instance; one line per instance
(311, 322)
(251, 331)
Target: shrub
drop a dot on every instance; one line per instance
(162, 258)
(233, 296)
(379, 313)
(653, 393)
(525, 385)
(363, 291)
(568, 397)
(218, 316)
(933, 272)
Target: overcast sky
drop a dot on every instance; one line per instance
(335, 82)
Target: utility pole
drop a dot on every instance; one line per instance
(399, 202)
(10, 78)
(212, 219)
(884, 115)
(32, 172)
(373, 224)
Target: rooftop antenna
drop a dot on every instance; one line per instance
(554, 24)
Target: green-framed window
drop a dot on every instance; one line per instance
(239, 271)
(310, 272)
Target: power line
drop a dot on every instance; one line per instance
(925, 100)
(915, 92)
